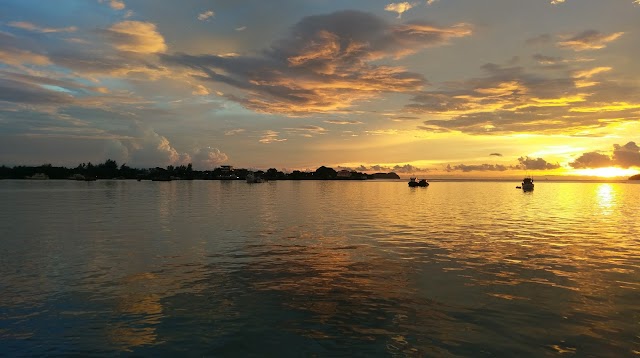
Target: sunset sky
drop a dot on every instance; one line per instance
(490, 88)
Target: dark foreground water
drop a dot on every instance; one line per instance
(372, 268)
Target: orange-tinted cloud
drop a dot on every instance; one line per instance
(270, 136)
(35, 28)
(326, 65)
(343, 121)
(589, 40)
(399, 8)
(114, 4)
(136, 36)
(514, 100)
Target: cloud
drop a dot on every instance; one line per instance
(525, 163)
(431, 2)
(136, 36)
(307, 130)
(556, 2)
(627, 155)
(398, 168)
(147, 149)
(495, 154)
(477, 168)
(539, 40)
(35, 28)
(241, 28)
(513, 100)
(404, 118)
(624, 156)
(208, 158)
(591, 160)
(342, 121)
(19, 57)
(119, 64)
(115, 4)
(200, 90)
(270, 136)
(234, 131)
(205, 16)
(407, 168)
(591, 72)
(536, 164)
(327, 64)
(21, 92)
(589, 40)
(399, 8)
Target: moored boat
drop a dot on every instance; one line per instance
(414, 183)
(527, 183)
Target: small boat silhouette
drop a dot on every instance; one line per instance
(414, 183)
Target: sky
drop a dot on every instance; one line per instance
(437, 88)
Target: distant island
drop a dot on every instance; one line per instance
(635, 177)
(110, 170)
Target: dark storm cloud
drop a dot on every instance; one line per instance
(325, 64)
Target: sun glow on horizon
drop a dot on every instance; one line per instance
(607, 172)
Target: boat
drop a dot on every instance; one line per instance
(253, 178)
(422, 182)
(527, 183)
(38, 176)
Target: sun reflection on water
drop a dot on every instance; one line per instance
(606, 198)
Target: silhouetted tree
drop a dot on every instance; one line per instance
(325, 173)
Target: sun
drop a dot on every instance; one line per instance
(608, 172)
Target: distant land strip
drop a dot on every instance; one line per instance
(110, 170)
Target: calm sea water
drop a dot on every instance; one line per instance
(371, 268)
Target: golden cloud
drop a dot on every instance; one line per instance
(35, 28)
(589, 40)
(114, 4)
(511, 100)
(136, 36)
(325, 65)
(17, 57)
(399, 8)
(590, 72)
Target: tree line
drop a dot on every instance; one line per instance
(110, 170)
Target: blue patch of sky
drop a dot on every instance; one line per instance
(56, 88)
(48, 13)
